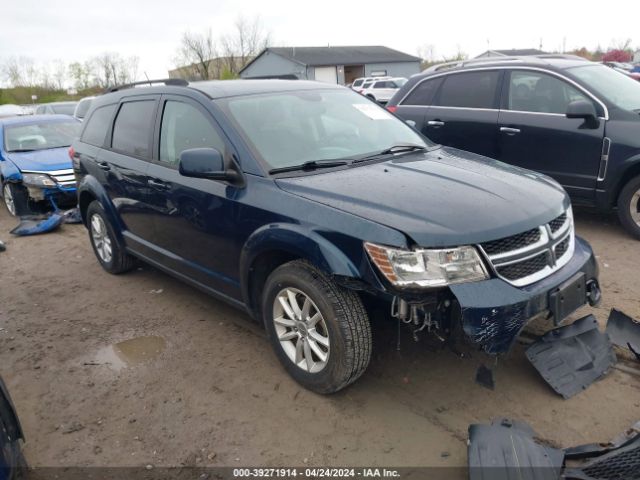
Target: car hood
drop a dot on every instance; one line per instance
(444, 197)
(42, 160)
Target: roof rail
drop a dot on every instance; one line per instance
(523, 58)
(177, 82)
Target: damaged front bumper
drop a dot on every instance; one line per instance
(493, 312)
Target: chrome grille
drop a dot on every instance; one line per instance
(514, 242)
(557, 223)
(64, 178)
(530, 256)
(524, 268)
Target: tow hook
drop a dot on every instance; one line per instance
(594, 295)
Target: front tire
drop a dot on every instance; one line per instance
(109, 251)
(16, 199)
(319, 330)
(629, 207)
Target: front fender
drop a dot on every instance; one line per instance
(9, 170)
(89, 185)
(344, 260)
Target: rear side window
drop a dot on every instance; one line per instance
(184, 127)
(469, 90)
(380, 85)
(367, 85)
(423, 94)
(97, 126)
(132, 128)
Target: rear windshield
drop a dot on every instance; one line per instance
(64, 109)
(357, 83)
(40, 136)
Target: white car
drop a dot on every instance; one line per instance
(358, 83)
(381, 90)
(82, 108)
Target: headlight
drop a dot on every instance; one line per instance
(38, 179)
(427, 267)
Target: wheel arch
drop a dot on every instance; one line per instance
(630, 172)
(89, 190)
(274, 245)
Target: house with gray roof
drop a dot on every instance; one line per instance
(331, 64)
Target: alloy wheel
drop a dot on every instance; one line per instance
(100, 238)
(634, 207)
(7, 195)
(301, 330)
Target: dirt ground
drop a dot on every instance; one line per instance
(198, 384)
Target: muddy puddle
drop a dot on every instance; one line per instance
(130, 353)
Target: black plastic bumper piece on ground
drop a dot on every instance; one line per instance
(624, 331)
(618, 459)
(507, 450)
(572, 357)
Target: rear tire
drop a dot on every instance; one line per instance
(333, 350)
(109, 251)
(629, 207)
(16, 199)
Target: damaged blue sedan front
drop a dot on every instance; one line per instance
(35, 167)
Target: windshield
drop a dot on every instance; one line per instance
(40, 136)
(617, 88)
(291, 128)
(64, 108)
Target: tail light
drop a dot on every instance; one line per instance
(392, 108)
(74, 160)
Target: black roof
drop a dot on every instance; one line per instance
(215, 88)
(316, 56)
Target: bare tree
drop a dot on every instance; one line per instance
(81, 74)
(21, 72)
(196, 52)
(59, 74)
(246, 41)
(111, 69)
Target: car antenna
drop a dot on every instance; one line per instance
(145, 74)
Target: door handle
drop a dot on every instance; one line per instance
(158, 184)
(104, 165)
(509, 130)
(435, 123)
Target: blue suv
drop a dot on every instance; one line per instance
(304, 204)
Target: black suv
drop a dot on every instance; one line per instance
(305, 204)
(574, 120)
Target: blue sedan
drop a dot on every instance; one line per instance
(35, 167)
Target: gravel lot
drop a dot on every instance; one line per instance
(200, 385)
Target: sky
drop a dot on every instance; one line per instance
(74, 30)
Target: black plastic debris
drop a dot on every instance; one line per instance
(72, 216)
(507, 450)
(3, 247)
(619, 459)
(624, 331)
(591, 450)
(572, 357)
(35, 224)
(484, 377)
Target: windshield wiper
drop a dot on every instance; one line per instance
(310, 165)
(22, 150)
(400, 148)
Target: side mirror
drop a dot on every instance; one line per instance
(585, 110)
(411, 123)
(205, 163)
